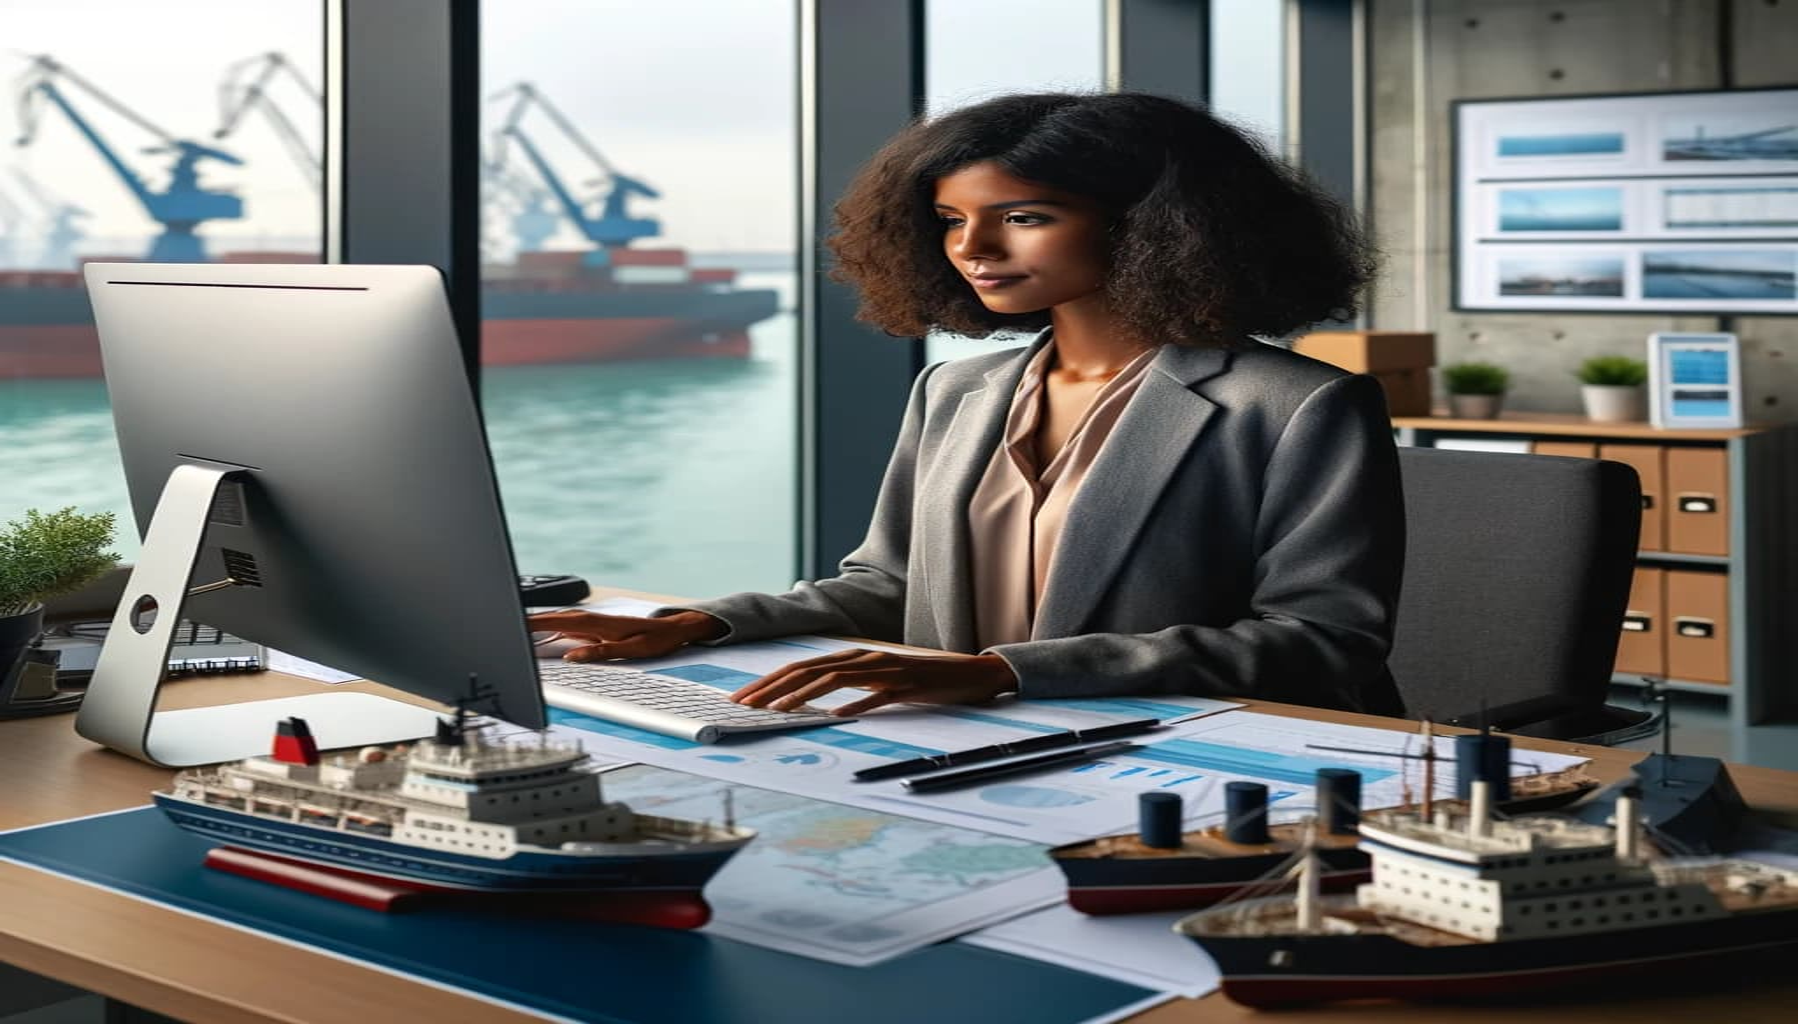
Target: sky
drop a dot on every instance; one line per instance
(697, 98)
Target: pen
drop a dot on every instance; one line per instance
(956, 778)
(1046, 741)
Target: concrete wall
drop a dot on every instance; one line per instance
(1425, 53)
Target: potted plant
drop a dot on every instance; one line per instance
(1475, 390)
(1612, 388)
(42, 556)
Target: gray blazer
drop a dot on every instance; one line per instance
(1240, 533)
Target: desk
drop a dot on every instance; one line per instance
(171, 963)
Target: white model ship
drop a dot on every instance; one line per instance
(460, 812)
(1464, 906)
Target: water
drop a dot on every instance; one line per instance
(674, 476)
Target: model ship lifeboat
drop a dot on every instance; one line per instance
(461, 814)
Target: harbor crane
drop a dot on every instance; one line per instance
(532, 217)
(614, 227)
(181, 206)
(64, 234)
(246, 87)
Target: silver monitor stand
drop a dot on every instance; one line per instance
(119, 710)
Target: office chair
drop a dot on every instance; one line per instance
(1517, 574)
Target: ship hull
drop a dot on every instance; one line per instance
(47, 332)
(1286, 970)
(673, 872)
(1116, 885)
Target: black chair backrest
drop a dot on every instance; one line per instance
(1517, 575)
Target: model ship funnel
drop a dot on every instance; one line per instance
(1159, 819)
(1245, 813)
(1487, 756)
(294, 743)
(1339, 800)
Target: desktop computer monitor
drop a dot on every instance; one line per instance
(308, 467)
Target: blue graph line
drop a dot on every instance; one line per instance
(969, 715)
(1240, 761)
(1134, 707)
(843, 739)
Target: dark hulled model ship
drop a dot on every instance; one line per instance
(1161, 868)
(1463, 906)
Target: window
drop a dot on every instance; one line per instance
(62, 203)
(639, 328)
(1248, 61)
(974, 52)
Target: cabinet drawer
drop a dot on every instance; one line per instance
(1645, 459)
(1697, 485)
(1697, 626)
(1642, 648)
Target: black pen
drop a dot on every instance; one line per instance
(957, 778)
(1030, 744)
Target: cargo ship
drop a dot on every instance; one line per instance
(460, 815)
(569, 306)
(1465, 907)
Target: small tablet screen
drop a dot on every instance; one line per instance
(1699, 379)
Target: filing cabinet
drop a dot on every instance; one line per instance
(1712, 605)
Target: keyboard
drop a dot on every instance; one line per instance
(662, 704)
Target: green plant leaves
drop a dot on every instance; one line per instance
(42, 556)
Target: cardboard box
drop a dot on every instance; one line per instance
(1697, 484)
(1647, 461)
(1399, 360)
(1698, 619)
(1642, 650)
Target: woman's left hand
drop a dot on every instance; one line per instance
(895, 678)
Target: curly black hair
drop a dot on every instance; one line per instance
(1212, 239)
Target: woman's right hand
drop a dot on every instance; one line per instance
(610, 637)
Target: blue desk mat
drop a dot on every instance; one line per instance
(575, 969)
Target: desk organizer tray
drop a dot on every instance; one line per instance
(572, 969)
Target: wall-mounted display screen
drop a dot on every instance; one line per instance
(1663, 202)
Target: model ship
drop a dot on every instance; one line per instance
(461, 813)
(1464, 906)
(1161, 868)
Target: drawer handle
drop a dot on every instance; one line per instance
(1702, 629)
(1698, 503)
(1647, 502)
(1637, 622)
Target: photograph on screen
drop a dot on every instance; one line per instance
(1730, 274)
(1732, 207)
(1728, 135)
(1533, 144)
(1551, 275)
(1522, 210)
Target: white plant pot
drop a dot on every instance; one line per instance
(1475, 407)
(1614, 403)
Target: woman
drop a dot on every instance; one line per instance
(1144, 500)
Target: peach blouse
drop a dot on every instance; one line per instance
(1018, 508)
